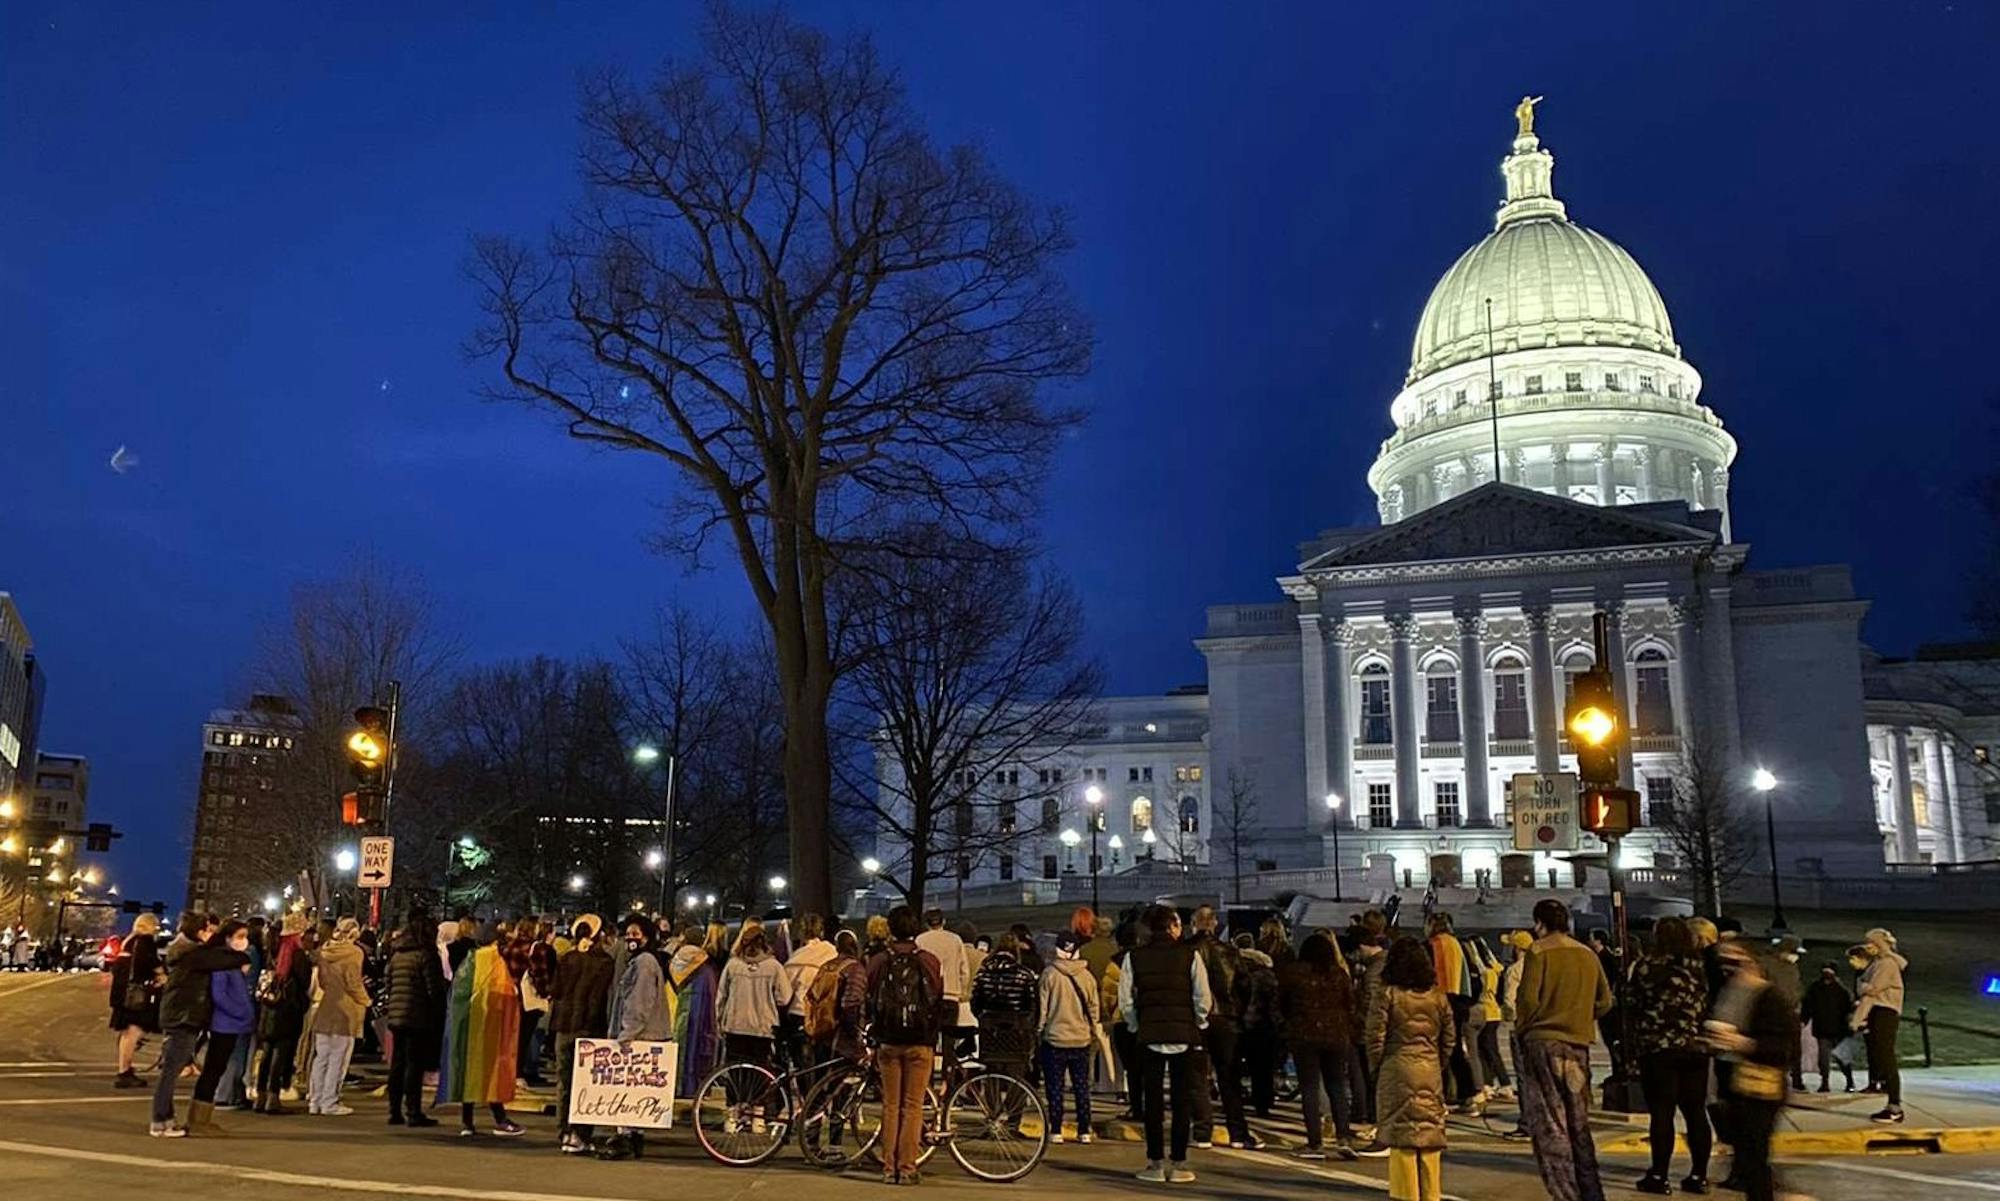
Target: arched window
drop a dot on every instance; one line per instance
(1510, 698)
(1051, 813)
(1190, 815)
(1142, 815)
(1375, 705)
(1653, 708)
(1441, 701)
(1574, 664)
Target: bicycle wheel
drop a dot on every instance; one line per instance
(742, 1114)
(995, 1127)
(840, 1119)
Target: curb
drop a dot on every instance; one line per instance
(1859, 1140)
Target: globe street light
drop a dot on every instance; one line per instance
(1070, 839)
(1333, 823)
(1149, 838)
(654, 859)
(1763, 781)
(576, 883)
(271, 903)
(777, 885)
(872, 866)
(1117, 844)
(709, 900)
(343, 860)
(1094, 796)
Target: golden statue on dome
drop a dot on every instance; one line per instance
(1524, 115)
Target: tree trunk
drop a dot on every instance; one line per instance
(808, 782)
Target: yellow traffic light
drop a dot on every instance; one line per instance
(1592, 725)
(363, 745)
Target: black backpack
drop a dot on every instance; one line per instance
(904, 1003)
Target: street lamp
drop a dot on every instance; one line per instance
(1070, 839)
(777, 885)
(649, 754)
(576, 883)
(343, 860)
(1116, 844)
(1333, 823)
(1149, 838)
(872, 866)
(271, 903)
(1095, 797)
(1763, 781)
(709, 900)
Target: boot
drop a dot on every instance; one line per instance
(201, 1120)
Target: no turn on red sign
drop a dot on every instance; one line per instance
(1545, 813)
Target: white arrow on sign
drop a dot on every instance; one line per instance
(378, 862)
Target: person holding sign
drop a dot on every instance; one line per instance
(581, 1008)
(638, 1014)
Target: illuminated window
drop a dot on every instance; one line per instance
(1381, 806)
(1190, 815)
(1444, 796)
(1510, 698)
(1142, 815)
(1375, 705)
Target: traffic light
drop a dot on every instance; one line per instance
(1610, 812)
(98, 837)
(368, 752)
(1596, 729)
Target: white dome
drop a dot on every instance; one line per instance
(1552, 283)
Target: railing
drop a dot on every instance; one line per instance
(1667, 744)
(1540, 402)
(1443, 750)
(1511, 746)
(1374, 750)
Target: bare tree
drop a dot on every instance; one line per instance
(778, 285)
(1710, 826)
(962, 669)
(1236, 823)
(344, 639)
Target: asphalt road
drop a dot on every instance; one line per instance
(63, 1129)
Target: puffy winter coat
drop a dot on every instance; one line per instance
(414, 987)
(343, 1001)
(1410, 1036)
(229, 997)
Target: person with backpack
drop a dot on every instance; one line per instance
(906, 988)
(1453, 980)
(836, 1003)
(1069, 1030)
(1216, 1064)
(812, 953)
(1260, 1043)
(1165, 997)
(1006, 1001)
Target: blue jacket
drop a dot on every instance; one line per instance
(229, 992)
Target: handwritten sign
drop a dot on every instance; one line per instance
(623, 1084)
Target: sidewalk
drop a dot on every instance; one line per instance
(1950, 1110)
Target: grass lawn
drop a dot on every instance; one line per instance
(1950, 957)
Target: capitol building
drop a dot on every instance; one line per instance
(1555, 455)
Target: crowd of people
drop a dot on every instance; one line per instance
(1385, 1032)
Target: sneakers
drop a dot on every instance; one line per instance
(1655, 1184)
(508, 1129)
(1375, 1150)
(1249, 1142)
(1891, 1115)
(1310, 1154)
(289, 1094)
(1343, 1150)
(335, 1110)
(1698, 1185)
(1085, 1137)
(1204, 1144)
(1517, 1135)
(128, 1079)
(1055, 1136)
(1178, 1174)
(1153, 1173)
(166, 1130)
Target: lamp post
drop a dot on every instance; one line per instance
(1094, 797)
(1116, 844)
(343, 863)
(653, 754)
(1070, 839)
(1150, 839)
(1763, 781)
(777, 884)
(1333, 823)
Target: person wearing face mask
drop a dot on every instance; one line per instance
(1825, 1009)
(1878, 1014)
(186, 1009)
(638, 1014)
(231, 1017)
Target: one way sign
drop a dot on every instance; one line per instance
(378, 862)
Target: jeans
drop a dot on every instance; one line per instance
(229, 1090)
(329, 1067)
(1555, 1106)
(1155, 1070)
(1475, 1029)
(410, 1052)
(1262, 1052)
(565, 1074)
(178, 1053)
(1360, 1083)
(1882, 1068)
(221, 1051)
(1125, 1044)
(274, 1066)
(1073, 1062)
(1828, 1060)
(906, 1072)
(1324, 1068)
(1752, 1122)
(1216, 1061)
(1676, 1081)
(530, 1051)
(1489, 1056)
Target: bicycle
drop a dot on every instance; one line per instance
(992, 1124)
(744, 1112)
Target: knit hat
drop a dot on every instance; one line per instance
(1068, 942)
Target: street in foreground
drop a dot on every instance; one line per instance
(63, 1128)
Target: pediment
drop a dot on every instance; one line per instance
(1502, 520)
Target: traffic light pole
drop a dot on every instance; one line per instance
(388, 794)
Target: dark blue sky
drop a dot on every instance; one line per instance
(230, 238)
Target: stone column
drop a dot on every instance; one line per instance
(1621, 684)
(1685, 681)
(1956, 828)
(1312, 680)
(1542, 688)
(1719, 491)
(1906, 805)
(1559, 468)
(1607, 492)
(1472, 716)
(1942, 818)
(1517, 467)
(1340, 682)
(1642, 458)
(1403, 717)
(1719, 668)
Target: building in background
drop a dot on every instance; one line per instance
(20, 700)
(231, 867)
(61, 795)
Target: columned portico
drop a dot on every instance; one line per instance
(1956, 819)
(1403, 718)
(1340, 642)
(1312, 660)
(1472, 725)
(1542, 687)
(1906, 805)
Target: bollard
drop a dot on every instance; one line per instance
(1924, 1024)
